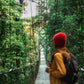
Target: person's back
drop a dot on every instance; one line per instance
(57, 69)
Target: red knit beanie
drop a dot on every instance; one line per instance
(60, 39)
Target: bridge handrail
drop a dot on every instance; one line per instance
(13, 69)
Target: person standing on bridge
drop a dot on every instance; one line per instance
(57, 69)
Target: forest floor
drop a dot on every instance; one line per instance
(42, 77)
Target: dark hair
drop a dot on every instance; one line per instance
(52, 56)
(56, 47)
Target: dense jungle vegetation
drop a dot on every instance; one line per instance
(63, 16)
(19, 46)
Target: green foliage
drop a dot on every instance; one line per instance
(12, 48)
(15, 43)
(25, 75)
(64, 16)
(17, 48)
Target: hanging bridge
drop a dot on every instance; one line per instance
(42, 77)
(22, 58)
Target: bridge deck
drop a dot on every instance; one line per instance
(42, 77)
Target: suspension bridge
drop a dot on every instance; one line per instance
(22, 61)
(42, 77)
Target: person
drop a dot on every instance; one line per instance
(57, 69)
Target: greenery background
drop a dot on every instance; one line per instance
(19, 37)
